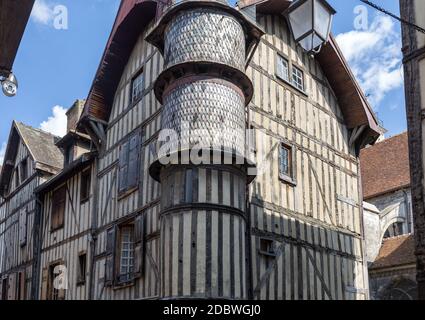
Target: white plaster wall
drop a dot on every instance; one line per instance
(372, 231)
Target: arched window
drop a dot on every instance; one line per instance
(394, 230)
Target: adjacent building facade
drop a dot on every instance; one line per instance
(388, 219)
(286, 222)
(31, 158)
(414, 71)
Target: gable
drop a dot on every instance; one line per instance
(27, 142)
(132, 18)
(356, 110)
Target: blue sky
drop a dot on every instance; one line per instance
(55, 67)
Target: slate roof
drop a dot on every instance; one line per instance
(385, 166)
(396, 252)
(41, 145)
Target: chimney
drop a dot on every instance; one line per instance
(73, 115)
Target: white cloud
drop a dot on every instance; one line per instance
(375, 57)
(2, 152)
(42, 12)
(56, 124)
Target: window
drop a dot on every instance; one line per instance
(56, 285)
(23, 228)
(82, 267)
(137, 87)
(17, 183)
(58, 208)
(129, 164)
(267, 247)
(24, 170)
(126, 260)
(394, 230)
(85, 185)
(298, 78)
(21, 285)
(286, 159)
(124, 252)
(4, 288)
(282, 68)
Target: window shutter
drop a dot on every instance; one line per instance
(139, 249)
(44, 283)
(22, 285)
(12, 287)
(133, 161)
(58, 208)
(110, 254)
(123, 167)
(61, 209)
(23, 227)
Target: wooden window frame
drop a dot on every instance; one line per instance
(119, 250)
(135, 99)
(23, 168)
(267, 252)
(4, 288)
(23, 219)
(17, 178)
(86, 186)
(291, 177)
(278, 73)
(291, 67)
(81, 274)
(55, 208)
(50, 281)
(299, 74)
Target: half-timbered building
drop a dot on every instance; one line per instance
(284, 222)
(31, 158)
(296, 231)
(64, 222)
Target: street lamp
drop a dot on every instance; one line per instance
(9, 85)
(310, 22)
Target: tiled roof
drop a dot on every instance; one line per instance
(397, 251)
(385, 166)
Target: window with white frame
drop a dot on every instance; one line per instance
(282, 68)
(286, 164)
(285, 160)
(126, 253)
(298, 78)
(137, 87)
